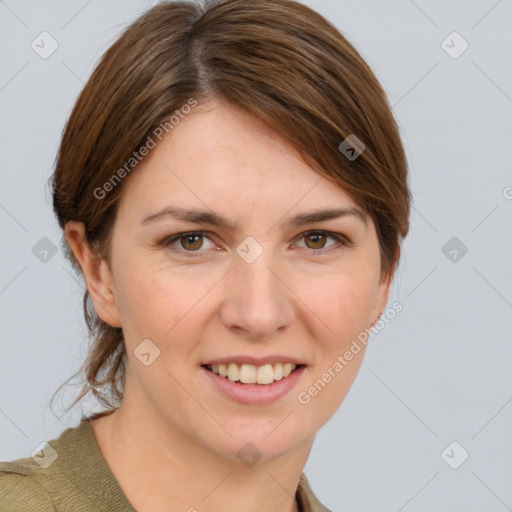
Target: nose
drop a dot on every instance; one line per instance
(257, 302)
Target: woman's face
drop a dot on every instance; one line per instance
(264, 290)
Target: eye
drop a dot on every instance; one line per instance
(316, 240)
(192, 242)
(189, 242)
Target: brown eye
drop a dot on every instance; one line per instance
(191, 242)
(317, 240)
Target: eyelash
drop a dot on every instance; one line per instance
(192, 254)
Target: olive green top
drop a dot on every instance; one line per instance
(69, 474)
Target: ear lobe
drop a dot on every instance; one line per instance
(96, 274)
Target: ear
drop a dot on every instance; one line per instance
(97, 275)
(383, 289)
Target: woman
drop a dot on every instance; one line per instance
(232, 186)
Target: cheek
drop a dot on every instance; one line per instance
(148, 304)
(342, 310)
(159, 301)
(342, 301)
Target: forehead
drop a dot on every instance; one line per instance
(220, 155)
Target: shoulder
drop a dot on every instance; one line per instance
(22, 487)
(39, 483)
(67, 473)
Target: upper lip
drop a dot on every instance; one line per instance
(256, 361)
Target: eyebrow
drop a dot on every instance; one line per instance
(215, 219)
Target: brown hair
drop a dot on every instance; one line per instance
(277, 60)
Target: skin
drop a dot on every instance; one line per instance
(174, 438)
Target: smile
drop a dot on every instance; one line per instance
(267, 384)
(251, 374)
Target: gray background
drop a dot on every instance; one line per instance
(439, 372)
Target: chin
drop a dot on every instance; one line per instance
(269, 438)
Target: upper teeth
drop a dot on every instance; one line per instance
(250, 374)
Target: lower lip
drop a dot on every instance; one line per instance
(255, 394)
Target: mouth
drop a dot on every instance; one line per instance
(246, 374)
(253, 385)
